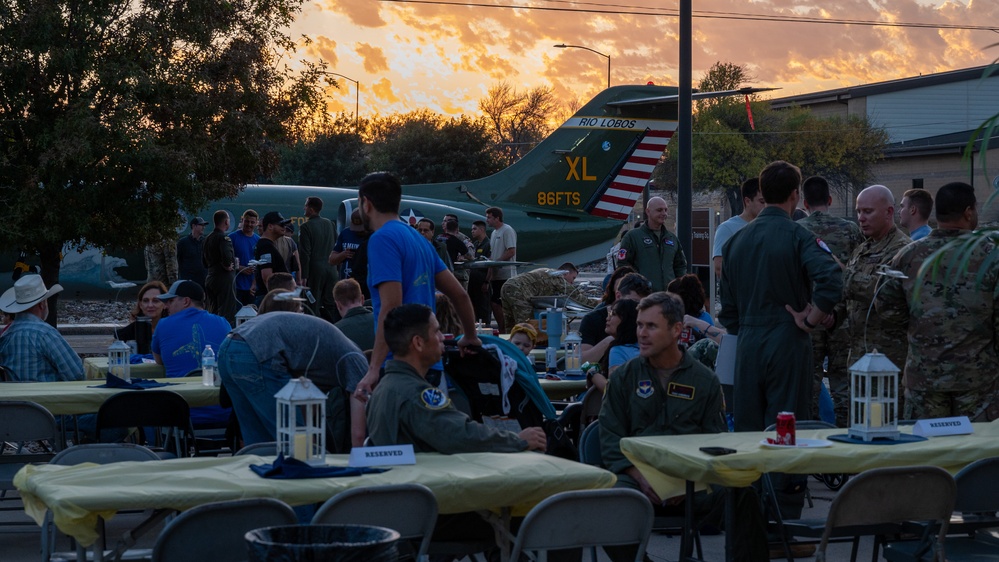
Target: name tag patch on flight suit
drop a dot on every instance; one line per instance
(645, 389)
(823, 245)
(434, 399)
(677, 390)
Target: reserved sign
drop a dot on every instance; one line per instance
(936, 427)
(382, 456)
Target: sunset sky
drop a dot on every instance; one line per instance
(410, 56)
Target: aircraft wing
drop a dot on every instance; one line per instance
(695, 95)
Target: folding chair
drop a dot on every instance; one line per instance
(98, 453)
(31, 432)
(975, 509)
(263, 449)
(409, 509)
(572, 520)
(589, 453)
(151, 408)
(879, 501)
(215, 531)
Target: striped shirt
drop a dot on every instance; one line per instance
(34, 351)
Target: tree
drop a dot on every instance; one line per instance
(727, 150)
(518, 120)
(335, 156)
(116, 115)
(426, 147)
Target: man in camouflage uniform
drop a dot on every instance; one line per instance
(542, 282)
(952, 368)
(842, 236)
(161, 261)
(875, 213)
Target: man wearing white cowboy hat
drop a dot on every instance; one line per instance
(30, 349)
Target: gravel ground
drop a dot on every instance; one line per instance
(93, 312)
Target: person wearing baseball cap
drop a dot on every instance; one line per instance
(31, 349)
(181, 337)
(267, 253)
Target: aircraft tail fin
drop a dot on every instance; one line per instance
(596, 163)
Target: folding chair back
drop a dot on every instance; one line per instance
(262, 449)
(22, 422)
(98, 453)
(409, 509)
(589, 445)
(149, 408)
(104, 453)
(567, 520)
(976, 487)
(215, 531)
(893, 495)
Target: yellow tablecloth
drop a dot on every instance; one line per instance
(77, 495)
(97, 367)
(77, 397)
(560, 390)
(668, 461)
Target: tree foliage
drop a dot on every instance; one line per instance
(426, 147)
(518, 120)
(727, 149)
(117, 114)
(335, 156)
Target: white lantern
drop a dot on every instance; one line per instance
(119, 364)
(301, 421)
(573, 354)
(244, 314)
(874, 398)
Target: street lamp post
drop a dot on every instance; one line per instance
(357, 99)
(564, 46)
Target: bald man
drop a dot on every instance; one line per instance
(653, 250)
(875, 213)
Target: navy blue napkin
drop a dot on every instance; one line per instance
(139, 358)
(289, 468)
(902, 438)
(136, 384)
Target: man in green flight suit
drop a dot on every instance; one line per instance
(653, 250)
(665, 391)
(219, 259)
(779, 283)
(406, 409)
(316, 239)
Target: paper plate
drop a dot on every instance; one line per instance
(801, 444)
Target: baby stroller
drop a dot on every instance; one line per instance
(513, 405)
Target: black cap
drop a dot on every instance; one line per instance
(184, 288)
(274, 217)
(198, 221)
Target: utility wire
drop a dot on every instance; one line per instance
(614, 9)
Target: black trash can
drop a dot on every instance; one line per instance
(322, 543)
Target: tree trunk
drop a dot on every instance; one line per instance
(51, 259)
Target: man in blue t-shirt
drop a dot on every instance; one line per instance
(348, 252)
(180, 338)
(244, 241)
(407, 270)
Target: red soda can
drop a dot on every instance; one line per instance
(785, 429)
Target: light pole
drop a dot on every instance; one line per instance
(564, 46)
(357, 99)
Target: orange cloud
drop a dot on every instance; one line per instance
(382, 90)
(374, 58)
(365, 13)
(323, 48)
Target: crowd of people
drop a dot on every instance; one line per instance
(805, 299)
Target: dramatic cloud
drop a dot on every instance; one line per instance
(445, 58)
(374, 58)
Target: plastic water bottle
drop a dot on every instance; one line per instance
(208, 366)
